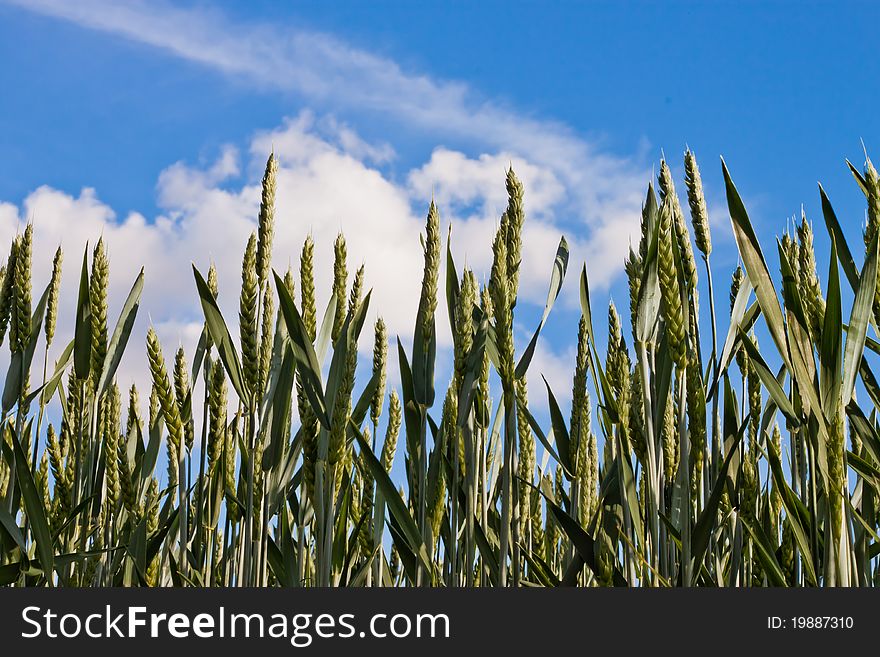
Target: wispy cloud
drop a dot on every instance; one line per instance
(602, 191)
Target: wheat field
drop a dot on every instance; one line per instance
(722, 463)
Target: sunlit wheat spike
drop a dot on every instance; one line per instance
(753, 385)
(669, 437)
(679, 227)
(696, 416)
(21, 311)
(637, 415)
(258, 488)
(380, 367)
(112, 438)
(618, 371)
(153, 408)
(71, 424)
(307, 287)
(669, 285)
(587, 453)
(499, 291)
(527, 455)
(339, 446)
(592, 481)
(775, 447)
(697, 203)
(214, 289)
(389, 447)
(266, 224)
(59, 473)
(357, 289)
(127, 485)
(633, 268)
(213, 283)
(486, 308)
(808, 280)
(872, 182)
(98, 289)
(437, 494)
(247, 315)
(6, 290)
(217, 415)
(340, 283)
(580, 397)
(613, 354)
(516, 217)
(289, 283)
(151, 512)
(308, 419)
(837, 474)
(430, 274)
(790, 249)
(310, 439)
(167, 401)
(464, 324)
(182, 391)
(266, 338)
(52, 300)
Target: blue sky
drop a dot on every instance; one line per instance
(167, 112)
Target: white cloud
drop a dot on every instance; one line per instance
(472, 194)
(458, 181)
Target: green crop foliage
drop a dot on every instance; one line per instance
(686, 459)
